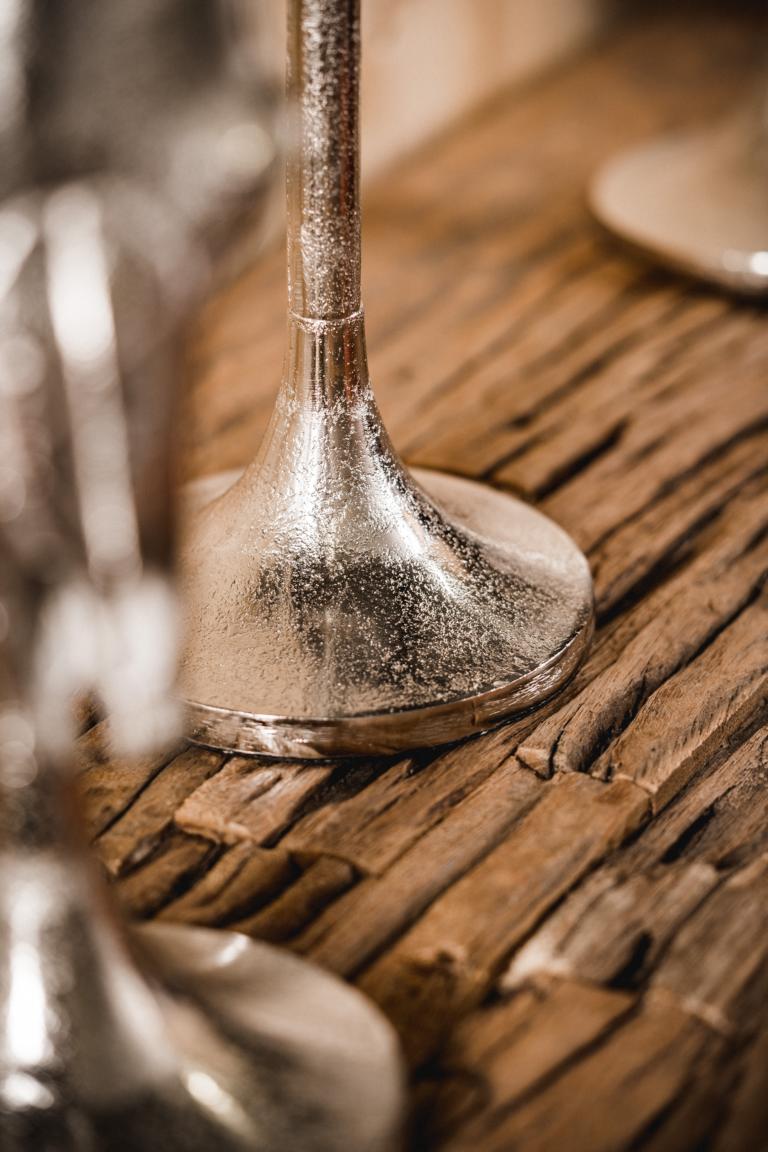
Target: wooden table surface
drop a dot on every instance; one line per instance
(567, 918)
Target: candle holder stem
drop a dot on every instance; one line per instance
(336, 603)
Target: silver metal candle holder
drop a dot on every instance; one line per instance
(338, 604)
(184, 1039)
(161, 1037)
(174, 1038)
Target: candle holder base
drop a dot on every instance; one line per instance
(211, 1041)
(311, 1063)
(446, 608)
(694, 201)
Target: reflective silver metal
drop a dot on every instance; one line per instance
(337, 604)
(129, 143)
(214, 1041)
(167, 1038)
(93, 284)
(696, 201)
(173, 1038)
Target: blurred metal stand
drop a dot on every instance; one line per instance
(696, 202)
(162, 90)
(336, 603)
(166, 1037)
(170, 1038)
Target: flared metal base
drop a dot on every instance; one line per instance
(232, 1045)
(289, 1056)
(447, 608)
(696, 202)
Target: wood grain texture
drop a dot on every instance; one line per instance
(565, 918)
(645, 1064)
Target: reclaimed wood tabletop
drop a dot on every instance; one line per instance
(566, 918)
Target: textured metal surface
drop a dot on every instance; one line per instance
(435, 610)
(322, 173)
(334, 604)
(697, 202)
(175, 1038)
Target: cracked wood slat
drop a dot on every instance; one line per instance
(250, 799)
(448, 960)
(610, 1097)
(499, 1055)
(177, 861)
(594, 935)
(746, 1123)
(236, 883)
(600, 419)
(138, 832)
(578, 305)
(714, 964)
(613, 928)
(662, 534)
(616, 487)
(573, 962)
(679, 621)
(696, 710)
(516, 401)
(108, 784)
(372, 828)
(721, 818)
(360, 924)
(301, 902)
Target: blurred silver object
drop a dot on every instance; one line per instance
(90, 302)
(336, 603)
(157, 90)
(96, 273)
(165, 1038)
(695, 201)
(171, 1038)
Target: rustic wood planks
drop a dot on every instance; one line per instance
(565, 918)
